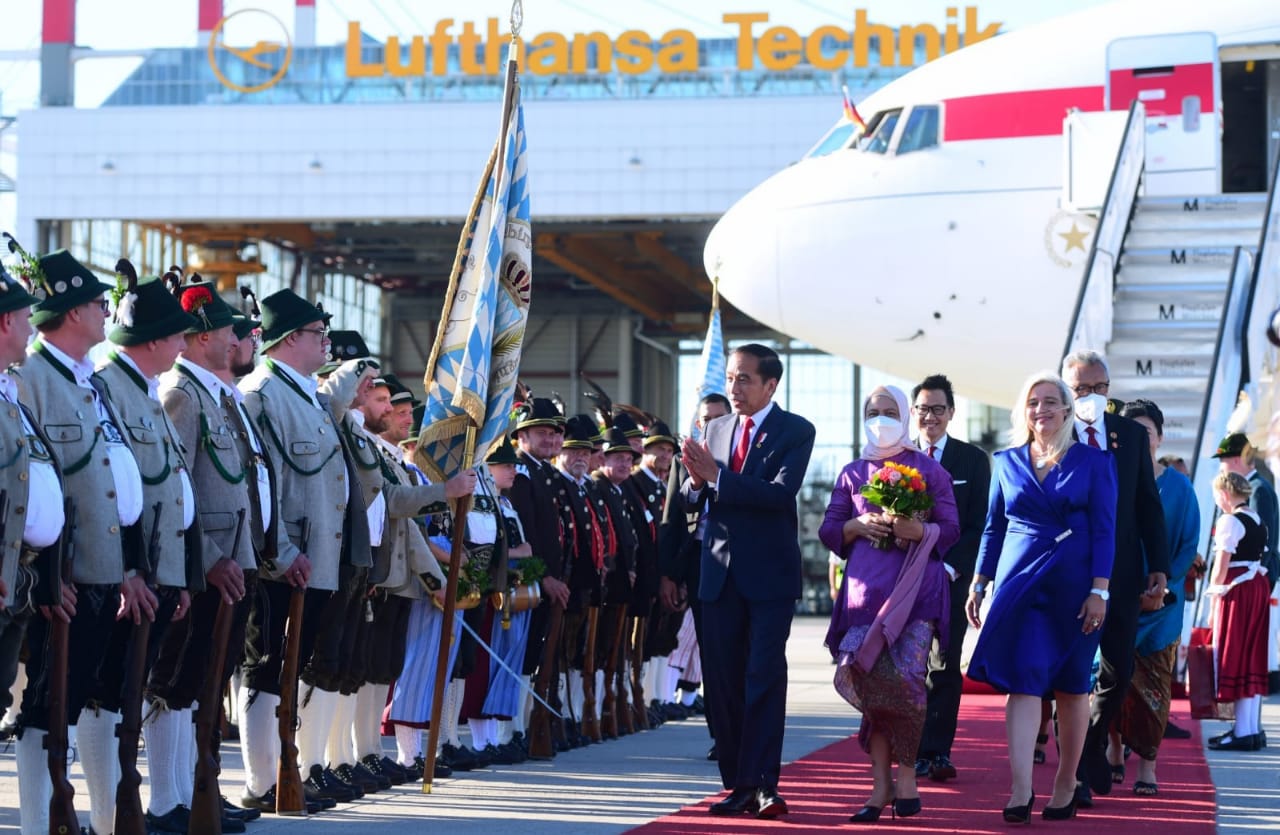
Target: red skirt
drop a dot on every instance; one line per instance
(1240, 638)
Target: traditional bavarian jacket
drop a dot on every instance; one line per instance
(33, 516)
(404, 560)
(98, 469)
(223, 464)
(535, 496)
(165, 481)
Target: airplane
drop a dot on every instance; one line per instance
(941, 239)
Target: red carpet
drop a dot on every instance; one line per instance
(827, 786)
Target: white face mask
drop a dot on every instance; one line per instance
(882, 431)
(1091, 407)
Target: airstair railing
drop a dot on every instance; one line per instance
(1092, 319)
(1259, 358)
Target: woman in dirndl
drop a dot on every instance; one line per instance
(891, 602)
(1240, 613)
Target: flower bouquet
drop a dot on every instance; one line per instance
(898, 490)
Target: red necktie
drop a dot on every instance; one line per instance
(744, 444)
(1093, 437)
(932, 450)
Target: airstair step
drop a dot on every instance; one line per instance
(1178, 330)
(1177, 257)
(1160, 310)
(1191, 203)
(1166, 274)
(1138, 366)
(1192, 238)
(1196, 220)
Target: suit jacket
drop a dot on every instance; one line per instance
(646, 498)
(970, 470)
(403, 556)
(753, 527)
(617, 580)
(14, 471)
(534, 497)
(678, 551)
(67, 414)
(222, 466)
(310, 472)
(1263, 501)
(1142, 542)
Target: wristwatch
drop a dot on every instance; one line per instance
(1103, 593)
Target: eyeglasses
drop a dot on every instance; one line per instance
(937, 411)
(323, 333)
(101, 304)
(1084, 389)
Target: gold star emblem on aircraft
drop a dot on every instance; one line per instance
(1074, 238)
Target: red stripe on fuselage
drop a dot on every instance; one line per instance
(1015, 114)
(1164, 93)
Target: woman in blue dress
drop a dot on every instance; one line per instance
(1047, 549)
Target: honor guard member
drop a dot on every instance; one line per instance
(588, 563)
(609, 539)
(149, 333)
(245, 352)
(313, 491)
(619, 459)
(630, 430)
(229, 476)
(31, 516)
(88, 443)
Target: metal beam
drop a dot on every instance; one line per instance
(573, 257)
(650, 245)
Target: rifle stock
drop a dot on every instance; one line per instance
(611, 724)
(206, 798)
(290, 796)
(540, 742)
(130, 817)
(639, 709)
(62, 808)
(590, 721)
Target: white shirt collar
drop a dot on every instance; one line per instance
(758, 417)
(1082, 431)
(8, 388)
(207, 378)
(153, 385)
(645, 469)
(937, 445)
(357, 417)
(306, 382)
(81, 369)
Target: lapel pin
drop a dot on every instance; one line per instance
(1115, 446)
(760, 440)
(1114, 435)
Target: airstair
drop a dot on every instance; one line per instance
(1178, 291)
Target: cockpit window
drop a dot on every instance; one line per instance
(882, 131)
(837, 138)
(921, 131)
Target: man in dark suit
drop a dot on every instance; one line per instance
(747, 472)
(933, 407)
(1142, 552)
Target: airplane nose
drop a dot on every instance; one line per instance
(742, 251)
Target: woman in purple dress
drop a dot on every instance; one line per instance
(891, 602)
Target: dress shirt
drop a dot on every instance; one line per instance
(1082, 432)
(938, 446)
(124, 469)
(44, 516)
(756, 420)
(376, 512)
(188, 493)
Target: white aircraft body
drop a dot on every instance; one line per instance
(941, 241)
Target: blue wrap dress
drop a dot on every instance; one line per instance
(1043, 544)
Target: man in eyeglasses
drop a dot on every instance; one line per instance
(933, 407)
(1140, 541)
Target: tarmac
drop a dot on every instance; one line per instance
(617, 785)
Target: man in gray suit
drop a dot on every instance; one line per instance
(88, 443)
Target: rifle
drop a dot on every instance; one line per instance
(62, 807)
(590, 722)
(639, 709)
(612, 721)
(4, 524)
(540, 744)
(206, 799)
(130, 818)
(290, 799)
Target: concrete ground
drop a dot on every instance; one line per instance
(617, 785)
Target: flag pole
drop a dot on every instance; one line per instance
(461, 507)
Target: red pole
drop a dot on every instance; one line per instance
(59, 22)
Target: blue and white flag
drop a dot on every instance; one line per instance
(471, 377)
(712, 361)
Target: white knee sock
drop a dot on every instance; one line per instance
(316, 716)
(452, 710)
(100, 759)
(576, 699)
(504, 731)
(688, 697)
(408, 744)
(671, 684)
(185, 772)
(34, 788)
(15, 695)
(368, 720)
(259, 740)
(339, 749)
(599, 692)
(524, 707)
(165, 752)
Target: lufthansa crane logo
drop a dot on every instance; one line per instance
(264, 58)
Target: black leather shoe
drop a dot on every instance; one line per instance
(869, 813)
(413, 773)
(498, 755)
(1098, 769)
(712, 754)
(267, 803)
(386, 768)
(230, 810)
(1083, 797)
(459, 759)
(922, 767)
(320, 785)
(1231, 742)
(334, 777)
(739, 802)
(1019, 814)
(941, 769)
(770, 803)
(1060, 813)
(177, 819)
(1172, 731)
(363, 779)
(442, 769)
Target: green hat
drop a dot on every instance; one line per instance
(145, 310)
(343, 346)
(284, 312)
(539, 411)
(400, 393)
(616, 441)
(1232, 446)
(504, 453)
(659, 433)
(13, 296)
(243, 326)
(63, 283)
(210, 310)
(627, 425)
(580, 432)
